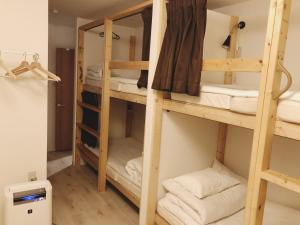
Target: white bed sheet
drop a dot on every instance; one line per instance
(121, 84)
(242, 100)
(275, 214)
(120, 152)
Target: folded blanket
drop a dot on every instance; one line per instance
(95, 68)
(212, 208)
(94, 75)
(206, 182)
(177, 209)
(134, 169)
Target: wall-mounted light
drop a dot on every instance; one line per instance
(114, 35)
(241, 25)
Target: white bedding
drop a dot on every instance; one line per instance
(275, 214)
(206, 210)
(121, 84)
(120, 152)
(242, 100)
(134, 168)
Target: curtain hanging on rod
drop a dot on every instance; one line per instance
(147, 18)
(181, 57)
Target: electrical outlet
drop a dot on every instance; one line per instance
(32, 176)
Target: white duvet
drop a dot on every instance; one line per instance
(184, 204)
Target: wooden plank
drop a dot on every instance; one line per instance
(213, 65)
(210, 113)
(88, 106)
(92, 89)
(231, 53)
(281, 180)
(232, 65)
(89, 130)
(160, 221)
(228, 79)
(288, 130)
(120, 15)
(129, 65)
(153, 124)
(127, 193)
(140, 99)
(267, 108)
(91, 25)
(79, 88)
(132, 48)
(131, 11)
(105, 105)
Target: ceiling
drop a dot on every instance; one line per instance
(94, 9)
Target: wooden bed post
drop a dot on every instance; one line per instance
(153, 124)
(105, 104)
(266, 112)
(129, 109)
(80, 64)
(228, 79)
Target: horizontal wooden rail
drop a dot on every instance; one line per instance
(281, 180)
(121, 15)
(88, 106)
(129, 65)
(89, 130)
(232, 65)
(283, 129)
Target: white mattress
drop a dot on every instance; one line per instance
(275, 214)
(121, 84)
(242, 100)
(120, 152)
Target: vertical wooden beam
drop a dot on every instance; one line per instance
(129, 110)
(153, 125)
(80, 64)
(105, 106)
(228, 79)
(132, 47)
(267, 109)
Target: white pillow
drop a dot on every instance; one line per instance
(206, 182)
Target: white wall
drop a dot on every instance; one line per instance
(62, 34)
(23, 103)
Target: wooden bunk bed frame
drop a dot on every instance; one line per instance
(264, 124)
(81, 152)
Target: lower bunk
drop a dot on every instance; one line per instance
(124, 165)
(214, 196)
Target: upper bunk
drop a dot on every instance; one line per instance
(121, 87)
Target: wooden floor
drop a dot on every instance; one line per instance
(76, 201)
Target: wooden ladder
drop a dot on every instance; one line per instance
(260, 172)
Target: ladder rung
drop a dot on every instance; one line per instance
(89, 130)
(281, 180)
(88, 106)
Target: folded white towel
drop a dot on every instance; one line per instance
(212, 208)
(206, 182)
(134, 168)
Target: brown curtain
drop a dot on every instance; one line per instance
(147, 18)
(181, 57)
